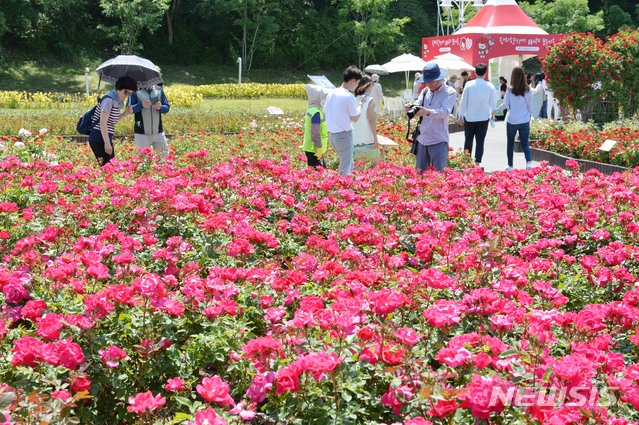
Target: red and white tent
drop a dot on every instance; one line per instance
(500, 29)
(501, 17)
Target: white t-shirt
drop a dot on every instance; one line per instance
(340, 106)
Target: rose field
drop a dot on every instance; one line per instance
(230, 284)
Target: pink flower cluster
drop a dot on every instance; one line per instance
(256, 288)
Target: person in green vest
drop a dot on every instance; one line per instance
(315, 133)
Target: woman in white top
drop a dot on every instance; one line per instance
(537, 96)
(518, 101)
(365, 142)
(376, 93)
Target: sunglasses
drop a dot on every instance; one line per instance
(127, 92)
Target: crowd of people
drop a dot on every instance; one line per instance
(346, 117)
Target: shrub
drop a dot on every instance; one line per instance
(580, 69)
(252, 90)
(626, 90)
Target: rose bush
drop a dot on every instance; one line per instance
(579, 69)
(625, 44)
(582, 140)
(231, 284)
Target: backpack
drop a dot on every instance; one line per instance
(86, 122)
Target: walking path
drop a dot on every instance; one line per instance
(494, 158)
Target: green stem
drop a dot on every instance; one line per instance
(335, 393)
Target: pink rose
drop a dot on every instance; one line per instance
(215, 389)
(260, 385)
(287, 380)
(408, 336)
(70, 354)
(175, 384)
(142, 402)
(63, 395)
(112, 355)
(208, 417)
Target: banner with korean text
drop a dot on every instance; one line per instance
(475, 48)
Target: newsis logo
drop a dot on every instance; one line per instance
(576, 396)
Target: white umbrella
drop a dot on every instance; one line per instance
(376, 69)
(452, 63)
(143, 71)
(406, 63)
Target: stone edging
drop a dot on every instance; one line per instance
(81, 138)
(559, 160)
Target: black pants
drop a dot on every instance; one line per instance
(475, 130)
(97, 146)
(313, 161)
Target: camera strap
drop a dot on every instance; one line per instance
(419, 122)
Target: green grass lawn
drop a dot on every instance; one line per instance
(35, 77)
(254, 105)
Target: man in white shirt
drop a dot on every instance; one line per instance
(340, 110)
(478, 100)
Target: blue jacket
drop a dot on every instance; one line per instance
(148, 120)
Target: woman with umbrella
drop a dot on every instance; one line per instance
(106, 116)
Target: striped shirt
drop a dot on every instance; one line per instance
(112, 105)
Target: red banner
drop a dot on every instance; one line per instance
(475, 48)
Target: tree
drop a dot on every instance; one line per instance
(564, 16)
(423, 22)
(308, 38)
(258, 22)
(615, 18)
(170, 14)
(371, 24)
(45, 28)
(628, 6)
(134, 16)
(257, 19)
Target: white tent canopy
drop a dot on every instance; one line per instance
(452, 63)
(376, 69)
(406, 63)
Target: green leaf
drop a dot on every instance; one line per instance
(6, 400)
(507, 353)
(183, 401)
(181, 416)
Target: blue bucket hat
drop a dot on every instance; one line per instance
(432, 72)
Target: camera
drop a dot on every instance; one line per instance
(412, 111)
